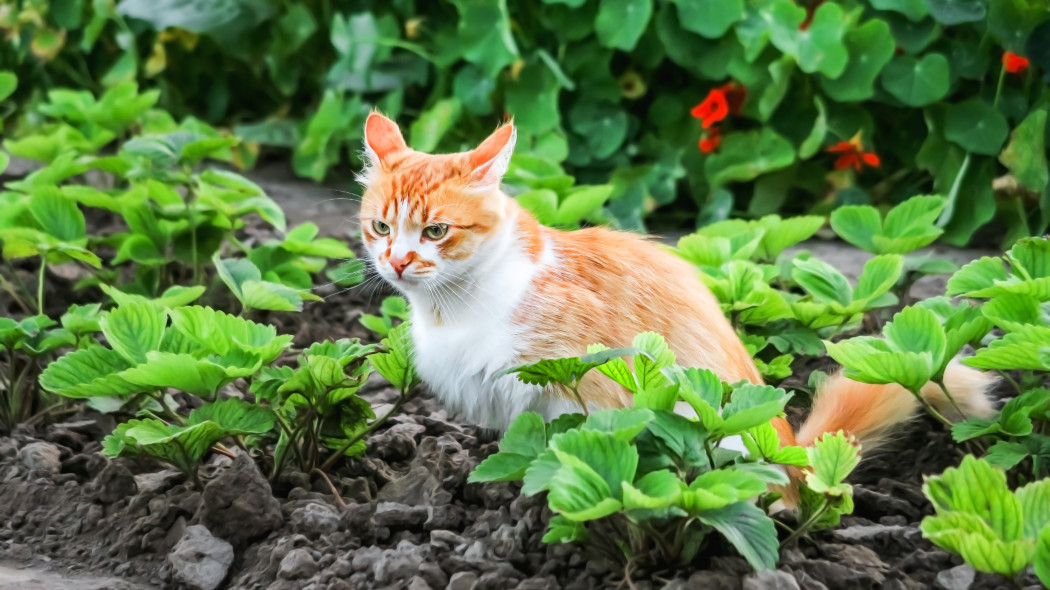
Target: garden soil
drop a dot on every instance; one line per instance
(404, 516)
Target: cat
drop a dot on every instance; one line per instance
(491, 288)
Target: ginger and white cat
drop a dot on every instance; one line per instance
(491, 288)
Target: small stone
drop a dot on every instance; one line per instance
(835, 575)
(713, 580)
(315, 519)
(872, 532)
(399, 563)
(42, 456)
(433, 574)
(396, 515)
(238, 505)
(297, 564)
(770, 580)
(462, 581)
(415, 488)
(200, 559)
(158, 482)
(957, 578)
(418, 583)
(341, 568)
(114, 483)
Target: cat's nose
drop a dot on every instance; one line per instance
(400, 263)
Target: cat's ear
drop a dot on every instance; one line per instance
(382, 139)
(490, 159)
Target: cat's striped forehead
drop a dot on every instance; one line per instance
(423, 188)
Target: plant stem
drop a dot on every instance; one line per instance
(18, 279)
(14, 294)
(331, 486)
(1013, 383)
(575, 391)
(40, 285)
(802, 528)
(404, 397)
(931, 410)
(175, 417)
(947, 394)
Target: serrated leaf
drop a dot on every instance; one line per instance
(623, 423)
(832, 457)
(89, 372)
(180, 371)
(235, 416)
(750, 531)
(395, 365)
(134, 329)
(822, 280)
(751, 405)
(613, 459)
(979, 490)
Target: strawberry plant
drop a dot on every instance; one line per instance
(392, 309)
(995, 530)
(647, 485)
(178, 213)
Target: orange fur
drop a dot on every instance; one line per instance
(600, 286)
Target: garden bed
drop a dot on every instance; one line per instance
(410, 518)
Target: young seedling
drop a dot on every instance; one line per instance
(644, 485)
(994, 530)
(393, 308)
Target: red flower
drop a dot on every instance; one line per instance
(853, 155)
(720, 103)
(710, 142)
(1015, 64)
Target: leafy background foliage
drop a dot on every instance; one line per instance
(601, 91)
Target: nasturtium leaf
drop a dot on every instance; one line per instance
(811, 144)
(915, 10)
(917, 82)
(707, 18)
(976, 126)
(745, 155)
(434, 123)
(620, 23)
(134, 329)
(484, 34)
(870, 47)
(1025, 155)
(542, 203)
(8, 84)
(957, 12)
(581, 202)
(749, 530)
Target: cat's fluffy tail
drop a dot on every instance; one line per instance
(870, 412)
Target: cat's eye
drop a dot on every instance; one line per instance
(435, 232)
(380, 228)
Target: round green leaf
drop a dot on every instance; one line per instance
(8, 84)
(744, 156)
(915, 10)
(620, 23)
(917, 82)
(870, 48)
(710, 18)
(1025, 155)
(956, 12)
(976, 126)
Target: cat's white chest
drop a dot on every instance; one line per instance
(462, 365)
